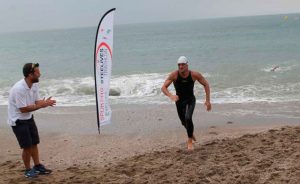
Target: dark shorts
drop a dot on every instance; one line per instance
(185, 109)
(26, 132)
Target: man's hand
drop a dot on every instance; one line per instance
(174, 98)
(46, 102)
(208, 105)
(50, 102)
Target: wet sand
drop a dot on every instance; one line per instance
(147, 144)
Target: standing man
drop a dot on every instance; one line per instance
(22, 101)
(183, 80)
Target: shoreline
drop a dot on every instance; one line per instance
(155, 117)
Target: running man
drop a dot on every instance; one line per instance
(22, 101)
(183, 80)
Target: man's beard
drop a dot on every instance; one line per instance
(36, 80)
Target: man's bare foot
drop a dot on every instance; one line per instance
(194, 138)
(190, 146)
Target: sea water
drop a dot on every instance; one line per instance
(236, 56)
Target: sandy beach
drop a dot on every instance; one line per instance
(146, 144)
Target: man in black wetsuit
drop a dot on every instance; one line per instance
(183, 80)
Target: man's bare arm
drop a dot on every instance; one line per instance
(197, 76)
(166, 84)
(38, 105)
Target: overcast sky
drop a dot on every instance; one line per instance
(21, 15)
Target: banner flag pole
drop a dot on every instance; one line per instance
(102, 67)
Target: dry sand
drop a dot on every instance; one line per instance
(146, 144)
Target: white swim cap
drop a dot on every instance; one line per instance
(182, 60)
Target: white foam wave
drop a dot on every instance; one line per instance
(4, 95)
(136, 88)
(139, 85)
(254, 93)
(146, 89)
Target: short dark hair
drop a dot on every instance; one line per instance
(28, 68)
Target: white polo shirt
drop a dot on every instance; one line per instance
(20, 95)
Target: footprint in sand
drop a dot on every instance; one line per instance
(6, 163)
